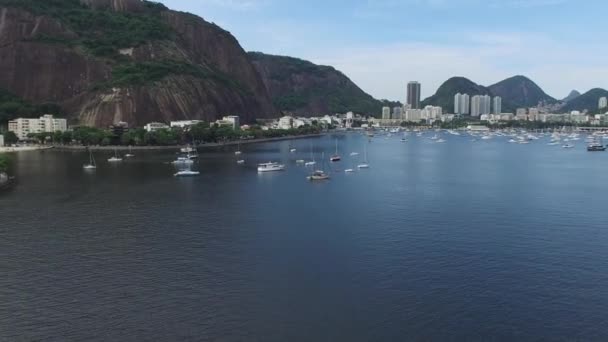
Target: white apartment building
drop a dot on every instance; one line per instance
(461, 104)
(184, 123)
(46, 123)
(386, 113)
(497, 101)
(603, 102)
(155, 126)
(285, 122)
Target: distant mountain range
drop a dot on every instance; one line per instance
(587, 101)
(304, 88)
(573, 94)
(516, 92)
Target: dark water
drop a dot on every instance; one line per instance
(482, 241)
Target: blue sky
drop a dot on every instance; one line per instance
(383, 44)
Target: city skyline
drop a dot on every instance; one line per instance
(523, 39)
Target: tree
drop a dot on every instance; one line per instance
(10, 138)
(3, 163)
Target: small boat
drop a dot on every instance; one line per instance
(300, 161)
(318, 175)
(183, 160)
(349, 170)
(512, 141)
(365, 164)
(186, 173)
(354, 154)
(187, 149)
(568, 146)
(130, 154)
(115, 159)
(91, 165)
(312, 158)
(336, 157)
(240, 162)
(192, 156)
(596, 146)
(440, 141)
(292, 150)
(270, 166)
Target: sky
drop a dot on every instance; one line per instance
(383, 44)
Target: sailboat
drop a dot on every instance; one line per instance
(238, 151)
(130, 154)
(318, 175)
(312, 161)
(115, 159)
(91, 165)
(365, 164)
(336, 157)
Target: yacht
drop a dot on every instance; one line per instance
(318, 175)
(270, 166)
(186, 173)
(240, 162)
(238, 151)
(336, 157)
(349, 170)
(183, 161)
(91, 165)
(312, 161)
(130, 154)
(365, 164)
(596, 146)
(115, 159)
(354, 154)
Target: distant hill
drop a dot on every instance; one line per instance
(304, 88)
(573, 94)
(444, 97)
(520, 91)
(587, 101)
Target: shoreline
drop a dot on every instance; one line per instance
(173, 147)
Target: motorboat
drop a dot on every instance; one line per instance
(115, 158)
(318, 175)
(183, 160)
(270, 166)
(349, 170)
(186, 173)
(240, 162)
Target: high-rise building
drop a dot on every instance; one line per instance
(397, 113)
(413, 94)
(603, 103)
(497, 105)
(461, 104)
(386, 113)
(486, 104)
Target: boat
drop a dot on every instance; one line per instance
(354, 154)
(312, 161)
(183, 160)
(91, 165)
(186, 173)
(240, 162)
(596, 146)
(440, 141)
(192, 156)
(130, 154)
(238, 151)
(300, 161)
(365, 164)
(568, 146)
(349, 170)
(292, 150)
(318, 175)
(270, 166)
(115, 159)
(187, 149)
(336, 157)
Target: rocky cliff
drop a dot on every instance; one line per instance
(305, 88)
(105, 61)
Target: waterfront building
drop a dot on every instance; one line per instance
(386, 113)
(413, 115)
(413, 94)
(497, 101)
(184, 123)
(603, 103)
(155, 126)
(461, 104)
(397, 113)
(285, 122)
(45, 124)
(480, 104)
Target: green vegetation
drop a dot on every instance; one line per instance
(101, 32)
(12, 106)
(587, 101)
(3, 163)
(201, 133)
(10, 138)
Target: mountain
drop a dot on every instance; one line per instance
(587, 101)
(520, 91)
(573, 94)
(444, 97)
(103, 61)
(305, 88)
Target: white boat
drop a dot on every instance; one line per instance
(568, 146)
(486, 137)
(435, 137)
(336, 157)
(292, 150)
(183, 161)
(130, 154)
(300, 161)
(512, 141)
(349, 170)
(318, 175)
(240, 162)
(440, 141)
(365, 164)
(192, 156)
(187, 149)
(270, 166)
(238, 151)
(312, 161)
(186, 173)
(354, 154)
(91, 165)
(115, 159)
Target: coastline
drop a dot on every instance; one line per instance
(173, 147)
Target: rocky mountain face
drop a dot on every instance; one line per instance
(588, 101)
(521, 92)
(104, 61)
(305, 88)
(573, 94)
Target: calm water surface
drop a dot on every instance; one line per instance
(458, 241)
